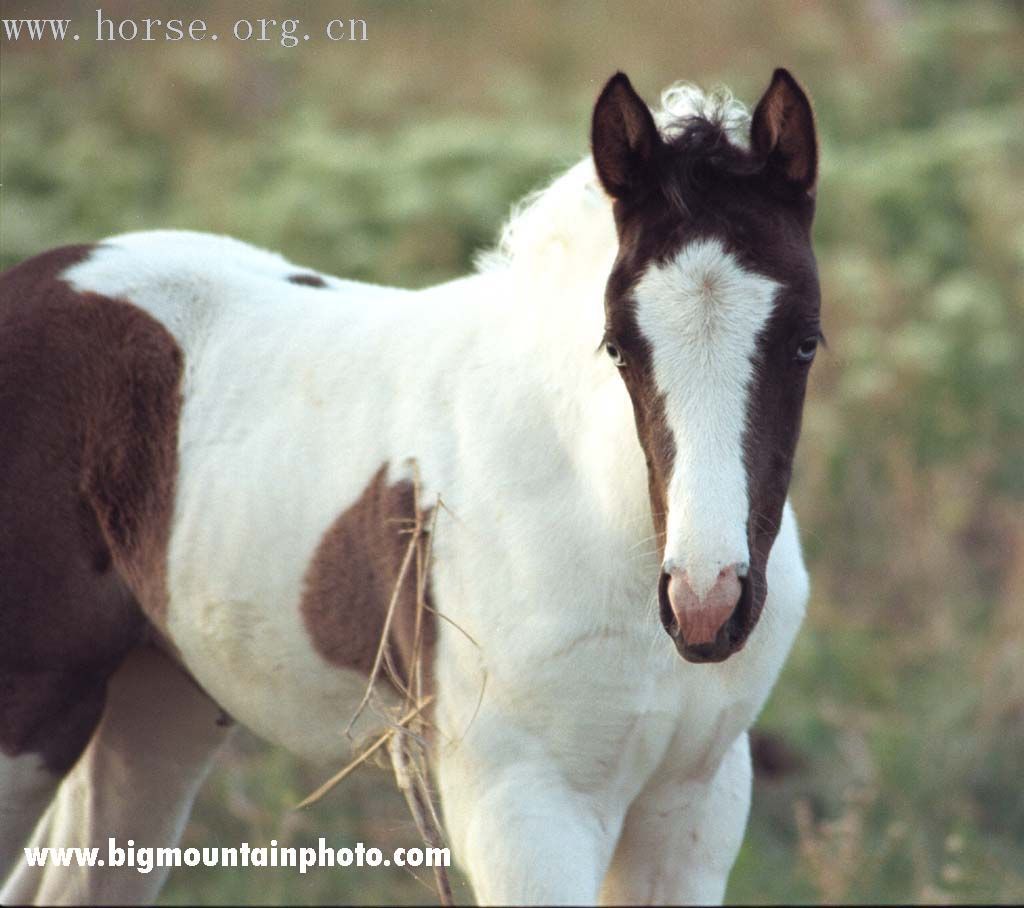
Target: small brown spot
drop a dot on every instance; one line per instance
(307, 280)
(352, 577)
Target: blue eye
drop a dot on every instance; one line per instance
(805, 352)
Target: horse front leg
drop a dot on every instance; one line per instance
(681, 836)
(521, 833)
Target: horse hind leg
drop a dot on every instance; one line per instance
(66, 622)
(46, 718)
(26, 786)
(137, 779)
(88, 417)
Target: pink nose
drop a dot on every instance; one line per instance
(701, 619)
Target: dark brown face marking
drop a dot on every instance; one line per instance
(759, 205)
(307, 280)
(352, 578)
(89, 400)
(652, 427)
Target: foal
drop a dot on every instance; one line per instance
(210, 460)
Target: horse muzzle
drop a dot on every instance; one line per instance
(708, 628)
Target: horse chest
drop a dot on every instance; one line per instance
(610, 708)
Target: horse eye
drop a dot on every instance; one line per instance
(616, 354)
(805, 352)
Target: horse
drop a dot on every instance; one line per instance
(213, 464)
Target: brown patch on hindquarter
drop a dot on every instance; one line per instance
(89, 402)
(352, 578)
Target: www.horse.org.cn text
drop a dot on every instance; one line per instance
(283, 32)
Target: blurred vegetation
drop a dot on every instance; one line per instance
(394, 160)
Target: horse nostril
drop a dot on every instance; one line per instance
(668, 619)
(712, 624)
(697, 618)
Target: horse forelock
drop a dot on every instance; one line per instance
(567, 227)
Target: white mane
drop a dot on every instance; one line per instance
(567, 225)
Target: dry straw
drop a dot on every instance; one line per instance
(405, 736)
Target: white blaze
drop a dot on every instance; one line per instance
(702, 312)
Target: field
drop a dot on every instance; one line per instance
(898, 724)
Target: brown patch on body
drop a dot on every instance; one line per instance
(352, 578)
(89, 403)
(307, 280)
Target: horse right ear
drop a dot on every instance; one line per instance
(623, 137)
(782, 132)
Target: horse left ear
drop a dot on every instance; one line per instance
(623, 137)
(782, 132)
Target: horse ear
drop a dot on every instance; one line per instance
(782, 132)
(623, 137)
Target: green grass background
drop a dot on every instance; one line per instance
(396, 159)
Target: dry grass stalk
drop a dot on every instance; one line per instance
(833, 851)
(409, 762)
(363, 756)
(405, 738)
(413, 549)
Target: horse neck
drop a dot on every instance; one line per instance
(546, 331)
